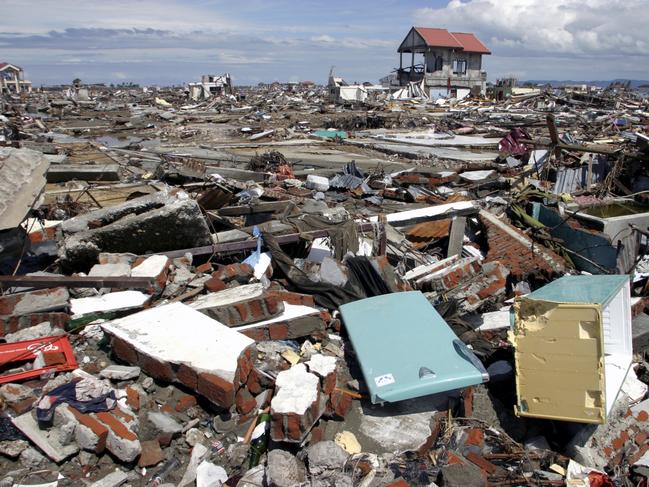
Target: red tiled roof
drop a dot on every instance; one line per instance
(471, 43)
(4, 65)
(438, 37)
(457, 40)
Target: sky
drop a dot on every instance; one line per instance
(165, 42)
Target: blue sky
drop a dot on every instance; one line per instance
(175, 41)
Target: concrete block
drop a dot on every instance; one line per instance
(296, 405)
(121, 440)
(284, 470)
(239, 305)
(120, 372)
(47, 441)
(113, 479)
(154, 223)
(119, 300)
(110, 270)
(180, 344)
(38, 301)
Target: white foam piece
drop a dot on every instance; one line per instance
(297, 389)
(322, 365)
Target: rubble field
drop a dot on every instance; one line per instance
(265, 288)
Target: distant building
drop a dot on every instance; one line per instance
(210, 85)
(451, 64)
(12, 79)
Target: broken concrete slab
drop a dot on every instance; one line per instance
(47, 441)
(296, 321)
(22, 180)
(239, 305)
(154, 223)
(110, 270)
(37, 301)
(120, 300)
(176, 343)
(120, 372)
(113, 479)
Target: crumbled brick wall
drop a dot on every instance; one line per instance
(518, 252)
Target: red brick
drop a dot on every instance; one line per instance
(640, 438)
(204, 268)
(253, 384)
(215, 389)
(116, 426)
(95, 426)
(215, 284)
(467, 396)
(399, 483)
(292, 298)
(185, 402)
(11, 324)
(478, 460)
(187, 376)
(244, 401)
(244, 366)
(277, 426)
(474, 437)
(133, 398)
(256, 309)
(151, 454)
(124, 351)
(492, 289)
(341, 403)
(155, 368)
(278, 331)
(329, 383)
(293, 427)
(120, 413)
(165, 439)
(642, 416)
(257, 334)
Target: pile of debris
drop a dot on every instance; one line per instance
(266, 288)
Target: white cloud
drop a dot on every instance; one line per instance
(325, 39)
(143, 14)
(548, 26)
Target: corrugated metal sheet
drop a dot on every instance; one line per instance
(571, 179)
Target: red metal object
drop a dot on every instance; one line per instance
(56, 348)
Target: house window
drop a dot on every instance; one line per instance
(439, 63)
(459, 66)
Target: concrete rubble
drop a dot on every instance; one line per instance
(194, 247)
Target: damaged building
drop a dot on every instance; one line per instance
(12, 79)
(209, 86)
(447, 63)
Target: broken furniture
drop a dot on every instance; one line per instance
(406, 349)
(573, 347)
